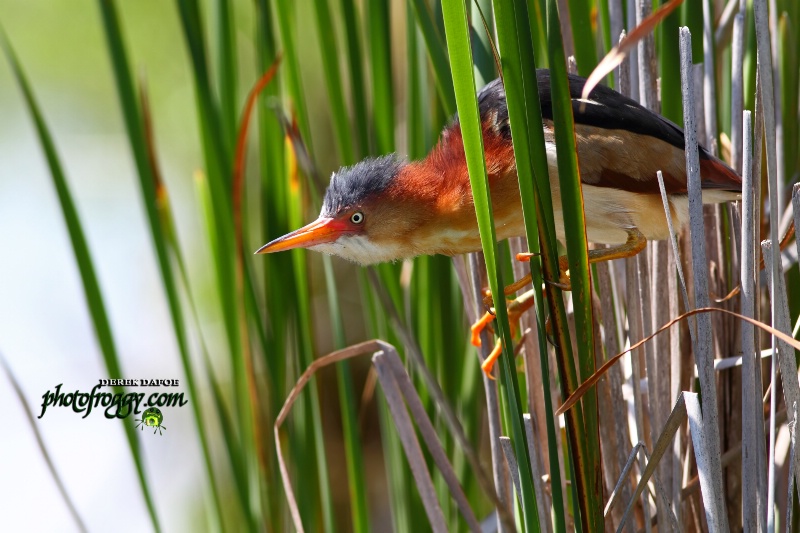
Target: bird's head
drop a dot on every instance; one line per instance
(365, 218)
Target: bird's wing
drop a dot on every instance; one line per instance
(494, 109)
(621, 144)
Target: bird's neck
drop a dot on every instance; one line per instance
(437, 196)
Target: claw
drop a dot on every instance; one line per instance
(488, 301)
(524, 257)
(479, 326)
(488, 364)
(548, 331)
(563, 285)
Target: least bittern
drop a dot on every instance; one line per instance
(387, 208)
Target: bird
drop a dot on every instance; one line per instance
(388, 208)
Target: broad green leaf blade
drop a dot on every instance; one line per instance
(485, 69)
(458, 44)
(583, 35)
(227, 71)
(671, 102)
(380, 62)
(284, 13)
(585, 447)
(524, 110)
(218, 167)
(355, 64)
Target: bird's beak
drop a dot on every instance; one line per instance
(321, 231)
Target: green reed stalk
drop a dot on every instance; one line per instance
(458, 44)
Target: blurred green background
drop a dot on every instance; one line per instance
(46, 332)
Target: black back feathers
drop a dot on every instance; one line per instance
(605, 108)
(493, 108)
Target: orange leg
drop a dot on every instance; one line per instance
(635, 244)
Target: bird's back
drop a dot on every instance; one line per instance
(615, 127)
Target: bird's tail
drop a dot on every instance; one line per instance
(716, 175)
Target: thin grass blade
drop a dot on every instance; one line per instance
(437, 53)
(73, 510)
(703, 347)
(359, 507)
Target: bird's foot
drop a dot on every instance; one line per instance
(564, 284)
(488, 302)
(508, 290)
(486, 320)
(515, 310)
(635, 244)
(478, 327)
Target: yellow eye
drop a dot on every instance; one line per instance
(357, 217)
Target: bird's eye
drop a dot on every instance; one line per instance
(357, 217)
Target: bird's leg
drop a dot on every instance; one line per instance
(488, 301)
(635, 244)
(479, 326)
(515, 309)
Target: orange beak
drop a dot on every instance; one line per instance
(321, 231)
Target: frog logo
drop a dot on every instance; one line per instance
(153, 418)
